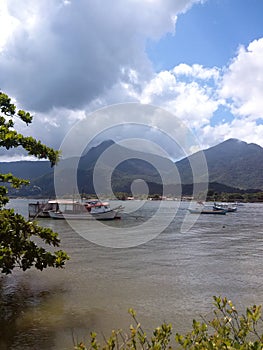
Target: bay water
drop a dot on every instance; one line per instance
(164, 272)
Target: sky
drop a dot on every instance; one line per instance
(199, 60)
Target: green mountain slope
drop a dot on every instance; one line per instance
(232, 165)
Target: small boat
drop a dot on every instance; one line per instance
(207, 211)
(230, 208)
(89, 210)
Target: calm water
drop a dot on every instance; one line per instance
(172, 277)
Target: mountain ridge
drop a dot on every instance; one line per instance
(232, 163)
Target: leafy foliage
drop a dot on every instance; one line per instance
(17, 235)
(227, 330)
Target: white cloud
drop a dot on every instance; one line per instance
(194, 93)
(51, 127)
(8, 24)
(243, 129)
(65, 59)
(18, 157)
(241, 86)
(192, 101)
(66, 54)
(163, 85)
(243, 82)
(196, 71)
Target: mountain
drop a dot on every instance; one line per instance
(232, 165)
(29, 170)
(116, 169)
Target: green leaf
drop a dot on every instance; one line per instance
(17, 244)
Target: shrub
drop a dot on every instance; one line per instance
(227, 330)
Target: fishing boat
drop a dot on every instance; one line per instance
(208, 211)
(202, 208)
(230, 208)
(89, 210)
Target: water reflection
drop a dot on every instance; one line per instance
(24, 314)
(34, 316)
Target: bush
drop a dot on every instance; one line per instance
(227, 330)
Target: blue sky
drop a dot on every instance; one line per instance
(209, 34)
(201, 61)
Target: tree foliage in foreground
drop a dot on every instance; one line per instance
(227, 330)
(18, 247)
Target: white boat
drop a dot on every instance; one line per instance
(207, 211)
(89, 210)
(230, 208)
(203, 208)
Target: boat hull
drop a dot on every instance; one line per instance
(212, 212)
(228, 209)
(109, 215)
(73, 210)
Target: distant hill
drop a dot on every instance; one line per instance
(26, 169)
(233, 163)
(233, 166)
(128, 165)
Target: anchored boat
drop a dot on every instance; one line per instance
(230, 208)
(74, 210)
(88, 210)
(207, 211)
